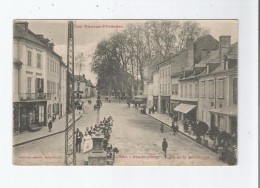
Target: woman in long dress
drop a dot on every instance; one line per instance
(87, 143)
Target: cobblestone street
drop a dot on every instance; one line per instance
(137, 137)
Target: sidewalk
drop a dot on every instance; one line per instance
(167, 120)
(58, 127)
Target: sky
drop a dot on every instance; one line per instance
(86, 39)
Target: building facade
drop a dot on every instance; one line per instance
(83, 88)
(184, 78)
(36, 79)
(218, 88)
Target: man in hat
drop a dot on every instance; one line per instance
(164, 147)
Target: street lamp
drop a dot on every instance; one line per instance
(78, 88)
(98, 105)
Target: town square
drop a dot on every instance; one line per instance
(125, 92)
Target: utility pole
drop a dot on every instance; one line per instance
(70, 154)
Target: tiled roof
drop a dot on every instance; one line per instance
(19, 32)
(232, 53)
(212, 57)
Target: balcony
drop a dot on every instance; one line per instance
(34, 96)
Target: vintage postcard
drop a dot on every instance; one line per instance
(125, 92)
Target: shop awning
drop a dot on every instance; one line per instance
(140, 96)
(229, 110)
(184, 108)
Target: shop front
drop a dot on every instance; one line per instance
(28, 114)
(174, 103)
(155, 102)
(165, 104)
(186, 111)
(225, 119)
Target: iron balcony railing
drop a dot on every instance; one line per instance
(34, 96)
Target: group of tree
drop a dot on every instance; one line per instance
(119, 60)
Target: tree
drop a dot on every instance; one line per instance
(189, 30)
(125, 54)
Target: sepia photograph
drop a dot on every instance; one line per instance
(125, 92)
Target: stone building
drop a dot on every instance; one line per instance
(36, 79)
(218, 87)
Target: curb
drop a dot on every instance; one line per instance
(41, 137)
(183, 134)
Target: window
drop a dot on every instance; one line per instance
(185, 91)
(221, 89)
(29, 85)
(196, 90)
(49, 86)
(29, 58)
(39, 59)
(181, 90)
(169, 71)
(222, 123)
(163, 73)
(48, 65)
(174, 89)
(190, 91)
(52, 66)
(202, 89)
(234, 90)
(39, 85)
(169, 88)
(211, 89)
(160, 88)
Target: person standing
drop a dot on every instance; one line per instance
(79, 136)
(87, 143)
(50, 125)
(162, 127)
(164, 147)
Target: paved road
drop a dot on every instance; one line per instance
(137, 137)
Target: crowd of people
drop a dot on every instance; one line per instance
(104, 128)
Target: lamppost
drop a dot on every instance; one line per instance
(98, 105)
(78, 89)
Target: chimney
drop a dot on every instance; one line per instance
(190, 49)
(224, 45)
(39, 36)
(23, 25)
(84, 76)
(51, 46)
(204, 53)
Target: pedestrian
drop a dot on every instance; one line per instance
(53, 117)
(162, 127)
(173, 128)
(50, 125)
(87, 130)
(164, 147)
(79, 136)
(90, 131)
(177, 128)
(87, 143)
(189, 128)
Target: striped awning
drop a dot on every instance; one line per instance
(184, 108)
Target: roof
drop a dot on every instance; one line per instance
(232, 53)
(19, 32)
(212, 57)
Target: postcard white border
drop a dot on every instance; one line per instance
(240, 176)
